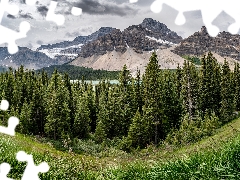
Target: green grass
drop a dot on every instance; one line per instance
(215, 157)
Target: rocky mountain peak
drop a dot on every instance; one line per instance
(224, 44)
(160, 30)
(148, 35)
(101, 32)
(203, 30)
(154, 25)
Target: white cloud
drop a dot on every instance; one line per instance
(121, 16)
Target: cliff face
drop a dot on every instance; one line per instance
(160, 31)
(108, 42)
(147, 36)
(225, 44)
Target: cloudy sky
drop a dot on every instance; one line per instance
(95, 14)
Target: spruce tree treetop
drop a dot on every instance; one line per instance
(124, 77)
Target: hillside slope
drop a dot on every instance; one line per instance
(143, 164)
(114, 61)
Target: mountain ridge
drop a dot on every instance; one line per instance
(110, 46)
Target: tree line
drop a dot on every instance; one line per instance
(76, 72)
(141, 110)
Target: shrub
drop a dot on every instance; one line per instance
(192, 130)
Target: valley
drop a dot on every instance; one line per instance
(138, 103)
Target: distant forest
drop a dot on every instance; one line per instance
(177, 106)
(76, 72)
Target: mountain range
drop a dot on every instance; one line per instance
(110, 48)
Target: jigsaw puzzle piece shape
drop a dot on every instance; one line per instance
(209, 11)
(31, 171)
(9, 36)
(133, 1)
(232, 8)
(10, 130)
(76, 11)
(208, 19)
(12, 121)
(4, 105)
(31, 2)
(180, 6)
(51, 16)
(6, 7)
(4, 170)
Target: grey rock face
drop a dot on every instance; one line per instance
(160, 31)
(147, 36)
(27, 57)
(225, 44)
(108, 42)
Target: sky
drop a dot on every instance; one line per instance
(95, 14)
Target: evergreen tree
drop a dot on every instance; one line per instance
(172, 106)
(227, 94)
(26, 125)
(81, 126)
(189, 90)
(236, 84)
(178, 81)
(103, 118)
(124, 78)
(139, 131)
(92, 107)
(209, 90)
(137, 93)
(151, 94)
(58, 113)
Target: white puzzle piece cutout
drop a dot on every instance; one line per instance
(4, 170)
(210, 10)
(133, 1)
(76, 11)
(7, 35)
(51, 16)
(4, 105)
(31, 171)
(12, 121)
(31, 2)
(10, 130)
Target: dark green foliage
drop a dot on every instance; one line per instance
(58, 113)
(227, 94)
(193, 130)
(236, 85)
(172, 108)
(76, 72)
(193, 59)
(139, 111)
(209, 89)
(189, 89)
(81, 125)
(152, 96)
(139, 131)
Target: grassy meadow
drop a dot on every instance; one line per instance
(215, 157)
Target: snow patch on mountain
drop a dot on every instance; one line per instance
(159, 40)
(52, 53)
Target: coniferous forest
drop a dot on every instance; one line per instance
(179, 106)
(76, 72)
